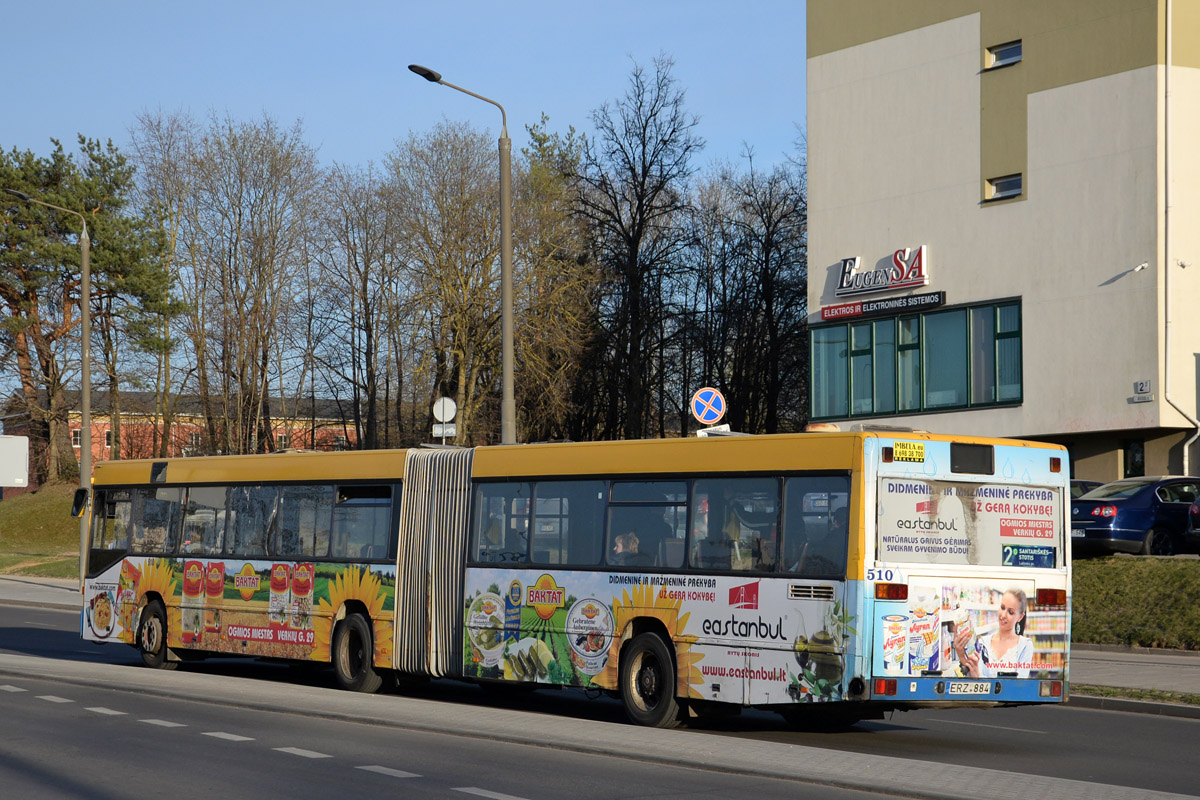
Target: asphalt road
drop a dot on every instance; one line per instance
(1141, 752)
(79, 741)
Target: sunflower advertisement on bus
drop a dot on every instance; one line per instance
(567, 629)
(258, 608)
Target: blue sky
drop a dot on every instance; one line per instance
(341, 67)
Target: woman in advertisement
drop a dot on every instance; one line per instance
(1006, 652)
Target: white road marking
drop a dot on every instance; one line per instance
(8, 687)
(296, 751)
(229, 737)
(110, 712)
(49, 698)
(395, 773)
(162, 723)
(486, 793)
(982, 725)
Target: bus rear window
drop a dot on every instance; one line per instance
(972, 459)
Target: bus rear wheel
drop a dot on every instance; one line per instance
(648, 683)
(152, 636)
(353, 656)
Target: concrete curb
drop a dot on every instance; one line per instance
(1129, 705)
(35, 604)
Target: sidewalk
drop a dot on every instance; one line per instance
(1092, 665)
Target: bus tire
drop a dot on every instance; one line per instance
(152, 636)
(353, 654)
(648, 683)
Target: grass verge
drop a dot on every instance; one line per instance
(1135, 601)
(38, 535)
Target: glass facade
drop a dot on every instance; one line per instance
(946, 359)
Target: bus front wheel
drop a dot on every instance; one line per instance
(353, 656)
(152, 636)
(648, 683)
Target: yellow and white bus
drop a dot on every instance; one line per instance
(827, 576)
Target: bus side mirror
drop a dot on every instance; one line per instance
(79, 504)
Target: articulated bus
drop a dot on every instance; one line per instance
(824, 575)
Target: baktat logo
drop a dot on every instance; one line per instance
(545, 596)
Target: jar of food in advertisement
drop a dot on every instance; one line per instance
(192, 624)
(924, 630)
(281, 593)
(895, 643)
(825, 660)
(302, 594)
(214, 593)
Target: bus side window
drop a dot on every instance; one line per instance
(305, 516)
(157, 514)
(567, 522)
(736, 523)
(112, 516)
(251, 510)
(646, 520)
(204, 520)
(815, 530)
(111, 520)
(501, 530)
(362, 522)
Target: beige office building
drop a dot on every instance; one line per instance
(1004, 222)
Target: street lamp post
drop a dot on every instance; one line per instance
(508, 405)
(85, 357)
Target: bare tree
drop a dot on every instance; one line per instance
(444, 185)
(253, 187)
(162, 149)
(633, 192)
(359, 268)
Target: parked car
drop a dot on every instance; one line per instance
(1081, 487)
(1134, 515)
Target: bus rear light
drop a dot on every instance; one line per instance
(885, 686)
(1055, 464)
(891, 591)
(1051, 597)
(1104, 511)
(1050, 689)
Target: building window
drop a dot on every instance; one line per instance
(908, 360)
(1134, 458)
(108, 438)
(830, 379)
(948, 359)
(282, 441)
(1004, 186)
(77, 437)
(945, 359)
(340, 442)
(1003, 54)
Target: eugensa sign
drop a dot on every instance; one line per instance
(907, 270)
